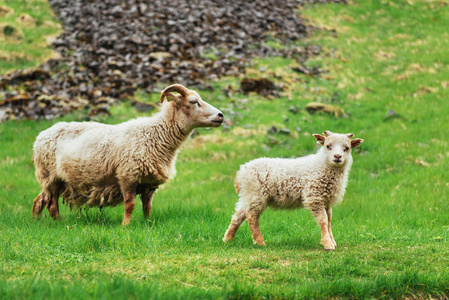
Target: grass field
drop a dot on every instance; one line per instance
(392, 228)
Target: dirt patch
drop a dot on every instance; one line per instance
(261, 86)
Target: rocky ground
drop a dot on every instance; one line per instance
(110, 49)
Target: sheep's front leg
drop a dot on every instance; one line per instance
(329, 218)
(147, 200)
(321, 218)
(129, 196)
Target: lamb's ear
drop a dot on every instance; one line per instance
(327, 133)
(350, 135)
(319, 138)
(356, 142)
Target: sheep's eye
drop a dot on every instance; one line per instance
(193, 102)
(328, 147)
(346, 149)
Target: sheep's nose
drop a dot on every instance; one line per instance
(220, 115)
(337, 156)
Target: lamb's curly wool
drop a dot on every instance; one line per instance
(316, 182)
(93, 164)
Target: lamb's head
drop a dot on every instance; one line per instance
(337, 147)
(192, 111)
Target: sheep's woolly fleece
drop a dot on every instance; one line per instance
(58, 149)
(290, 183)
(316, 182)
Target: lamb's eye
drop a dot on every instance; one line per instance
(346, 149)
(328, 147)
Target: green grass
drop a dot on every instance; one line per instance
(26, 31)
(392, 228)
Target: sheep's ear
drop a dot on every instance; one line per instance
(350, 135)
(356, 142)
(182, 90)
(319, 138)
(169, 97)
(327, 133)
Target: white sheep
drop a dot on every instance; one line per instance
(92, 164)
(316, 182)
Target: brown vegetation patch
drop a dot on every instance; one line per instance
(201, 141)
(26, 20)
(10, 32)
(6, 10)
(313, 107)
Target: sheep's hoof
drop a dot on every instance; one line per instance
(226, 240)
(260, 243)
(328, 245)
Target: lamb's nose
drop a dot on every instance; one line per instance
(337, 156)
(220, 115)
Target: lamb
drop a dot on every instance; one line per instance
(316, 182)
(97, 165)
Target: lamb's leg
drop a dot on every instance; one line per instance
(53, 205)
(329, 218)
(253, 222)
(38, 205)
(147, 200)
(237, 220)
(129, 196)
(322, 219)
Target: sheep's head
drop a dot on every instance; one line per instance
(194, 112)
(337, 147)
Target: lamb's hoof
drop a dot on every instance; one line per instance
(328, 245)
(226, 240)
(260, 243)
(329, 248)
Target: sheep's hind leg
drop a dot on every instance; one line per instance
(329, 218)
(129, 197)
(321, 218)
(253, 222)
(147, 200)
(237, 220)
(38, 205)
(53, 205)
